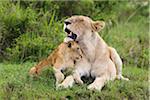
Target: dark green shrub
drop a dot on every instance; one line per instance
(13, 21)
(33, 45)
(20, 27)
(30, 30)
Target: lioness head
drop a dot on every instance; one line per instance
(77, 26)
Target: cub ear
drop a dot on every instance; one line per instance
(98, 25)
(69, 44)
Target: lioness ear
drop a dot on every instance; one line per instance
(98, 25)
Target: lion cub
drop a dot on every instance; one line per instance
(64, 56)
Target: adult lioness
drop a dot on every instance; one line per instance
(64, 56)
(105, 61)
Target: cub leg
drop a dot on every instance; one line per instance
(77, 78)
(36, 70)
(59, 76)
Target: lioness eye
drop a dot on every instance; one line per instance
(78, 48)
(67, 22)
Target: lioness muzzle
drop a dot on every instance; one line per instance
(72, 36)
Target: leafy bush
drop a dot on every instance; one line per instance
(13, 21)
(24, 26)
(33, 46)
(130, 40)
(30, 30)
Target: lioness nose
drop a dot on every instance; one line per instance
(67, 30)
(67, 23)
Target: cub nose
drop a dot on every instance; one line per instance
(67, 23)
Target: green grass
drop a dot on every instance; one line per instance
(16, 84)
(29, 31)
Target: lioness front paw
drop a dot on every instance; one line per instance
(79, 81)
(63, 86)
(68, 82)
(94, 87)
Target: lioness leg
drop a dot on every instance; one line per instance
(68, 82)
(98, 83)
(118, 63)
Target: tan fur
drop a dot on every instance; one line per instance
(81, 68)
(105, 61)
(64, 56)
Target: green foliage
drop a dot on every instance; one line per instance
(16, 84)
(29, 34)
(33, 46)
(13, 21)
(130, 40)
(30, 30)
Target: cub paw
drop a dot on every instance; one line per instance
(33, 71)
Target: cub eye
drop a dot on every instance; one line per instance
(77, 58)
(78, 48)
(69, 45)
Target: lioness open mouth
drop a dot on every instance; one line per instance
(70, 34)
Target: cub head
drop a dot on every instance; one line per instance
(76, 27)
(72, 50)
